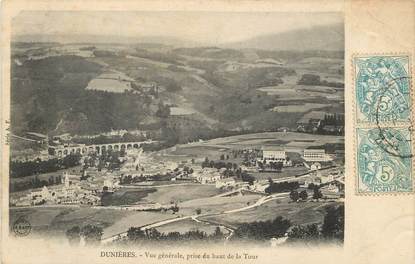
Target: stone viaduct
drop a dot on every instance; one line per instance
(62, 151)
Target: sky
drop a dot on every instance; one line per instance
(203, 27)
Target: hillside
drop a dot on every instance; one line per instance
(179, 93)
(313, 38)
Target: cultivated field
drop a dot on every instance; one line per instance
(217, 204)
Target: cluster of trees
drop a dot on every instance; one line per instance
(163, 111)
(312, 79)
(332, 228)
(276, 187)
(129, 179)
(232, 169)
(218, 164)
(272, 165)
(246, 177)
(303, 195)
(110, 159)
(263, 229)
(20, 169)
(137, 235)
(92, 234)
(34, 183)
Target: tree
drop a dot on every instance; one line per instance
(71, 160)
(135, 233)
(307, 232)
(333, 225)
(294, 195)
(218, 233)
(303, 195)
(175, 209)
(205, 163)
(246, 177)
(234, 165)
(74, 235)
(163, 111)
(263, 229)
(317, 193)
(198, 211)
(92, 234)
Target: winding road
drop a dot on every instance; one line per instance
(195, 218)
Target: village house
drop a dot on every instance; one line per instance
(207, 175)
(310, 122)
(227, 182)
(315, 166)
(70, 193)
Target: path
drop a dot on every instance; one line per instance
(259, 202)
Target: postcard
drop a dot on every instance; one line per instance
(207, 132)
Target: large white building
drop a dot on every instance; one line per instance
(316, 155)
(275, 154)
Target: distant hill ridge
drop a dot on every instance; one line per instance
(329, 37)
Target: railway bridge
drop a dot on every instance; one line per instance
(62, 151)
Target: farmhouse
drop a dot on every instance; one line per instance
(227, 182)
(207, 175)
(315, 166)
(310, 122)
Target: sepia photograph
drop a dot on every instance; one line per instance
(184, 128)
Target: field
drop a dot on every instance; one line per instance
(56, 220)
(125, 196)
(228, 87)
(217, 204)
(186, 225)
(286, 172)
(298, 213)
(298, 108)
(109, 85)
(179, 193)
(291, 141)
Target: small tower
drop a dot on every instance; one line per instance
(66, 179)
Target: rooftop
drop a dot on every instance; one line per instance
(272, 148)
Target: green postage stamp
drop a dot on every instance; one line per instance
(383, 124)
(384, 160)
